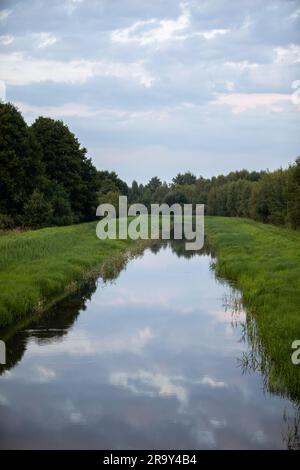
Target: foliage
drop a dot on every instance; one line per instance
(36, 267)
(46, 178)
(37, 211)
(263, 262)
(269, 197)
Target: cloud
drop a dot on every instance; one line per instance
(57, 112)
(288, 55)
(43, 374)
(155, 31)
(212, 383)
(4, 14)
(71, 5)
(295, 15)
(150, 384)
(45, 39)
(162, 30)
(83, 344)
(84, 111)
(74, 415)
(210, 34)
(241, 102)
(18, 69)
(6, 39)
(241, 66)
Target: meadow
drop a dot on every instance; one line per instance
(263, 262)
(38, 267)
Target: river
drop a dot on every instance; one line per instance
(152, 359)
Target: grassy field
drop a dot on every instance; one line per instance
(263, 262)
(38, 267)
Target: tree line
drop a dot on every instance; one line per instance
(269, 197)
(45, 176)
(46, 179)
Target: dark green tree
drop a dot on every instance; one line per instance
(67, 165)
(20, 162)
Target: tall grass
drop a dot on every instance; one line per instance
(38, 266)
(263, 261)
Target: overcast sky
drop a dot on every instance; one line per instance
(157, 87)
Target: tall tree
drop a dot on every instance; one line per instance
(67, 165)
(20, 162)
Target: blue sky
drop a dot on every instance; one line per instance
(160, 87)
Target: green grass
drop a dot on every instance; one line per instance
(38, 267)
(263, 262)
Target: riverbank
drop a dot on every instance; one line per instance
(39, 267)
(263, 262)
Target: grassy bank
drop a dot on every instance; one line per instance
(39, 267)
(263, 261)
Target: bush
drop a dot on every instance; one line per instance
(6, 222)
(37, 211)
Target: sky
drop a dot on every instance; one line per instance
(154, 87)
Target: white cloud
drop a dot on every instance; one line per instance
(84, 344)
(157, 32)
(57, 112)
(71, 5)
(45, 39)
(120, 115)
(295, 15)
(240, 102)
(72, 413)
(17, 69)
(212, 383)
(6, 39)
(150, 384)
(4, 14)
(43, 374)
(288, 55)
(241, 66)
(162, 30)
(211, 33)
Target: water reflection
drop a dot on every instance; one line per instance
(147, 361)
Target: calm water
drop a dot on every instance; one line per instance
(150, 360)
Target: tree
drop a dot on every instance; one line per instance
(66, 164)
(20, 162)
(175, 197)
(37, 211)
(185, 178)
(133, 193)
(293, 195)
(154, 184)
